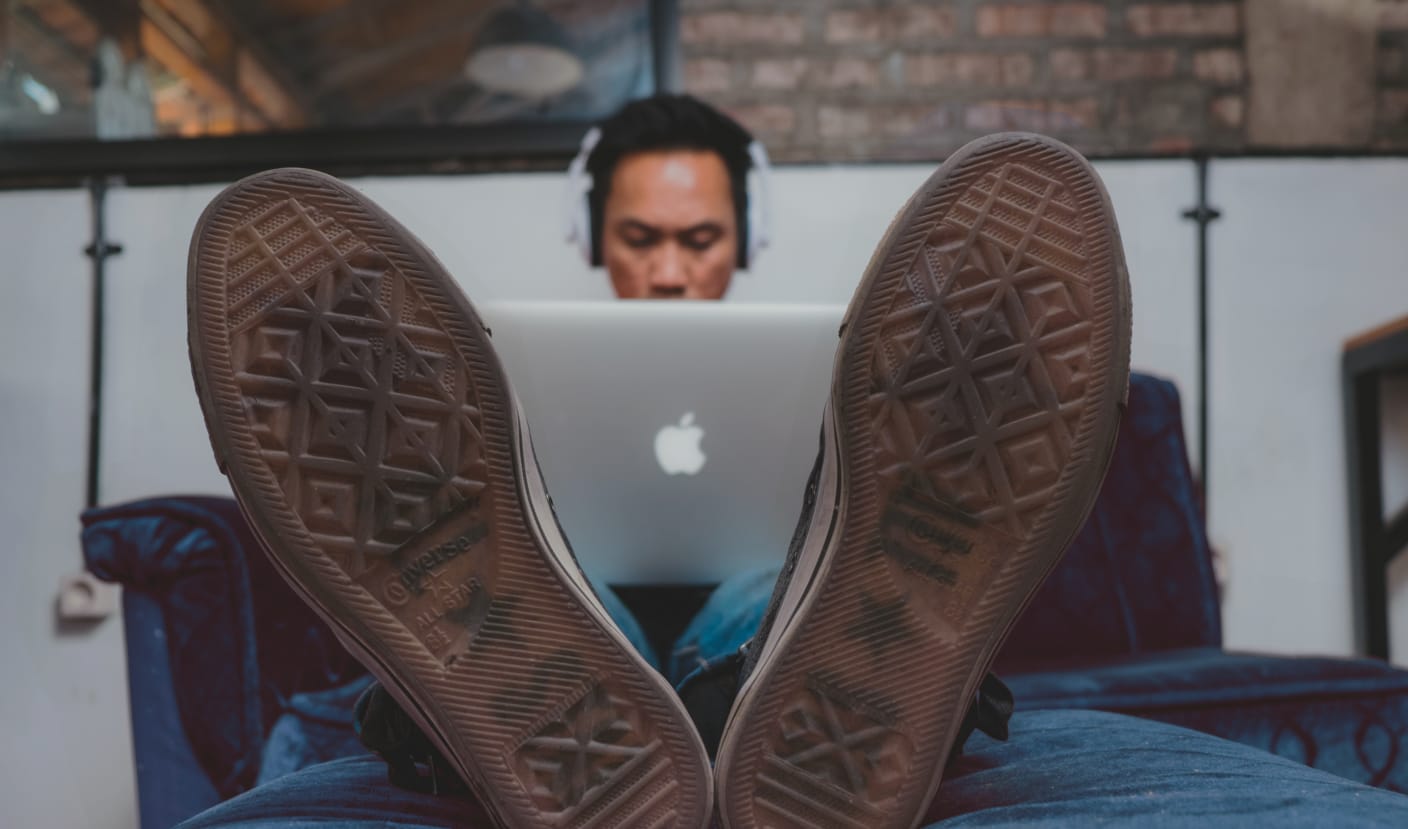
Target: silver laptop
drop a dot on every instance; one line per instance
(675, 437)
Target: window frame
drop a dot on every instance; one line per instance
(410, 150)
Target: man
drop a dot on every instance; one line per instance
(668, 209)
(370, 435)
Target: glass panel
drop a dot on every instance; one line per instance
(140, 68)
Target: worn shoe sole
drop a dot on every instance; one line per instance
(368, 431)
(978, 384)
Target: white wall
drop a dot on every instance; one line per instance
(154, 439)
(1308, 254)
(501, 236)
(67, 759)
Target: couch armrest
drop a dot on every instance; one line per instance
(172, 785)
(187, 559)
(238, 642)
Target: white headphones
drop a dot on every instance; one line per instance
(578, 209)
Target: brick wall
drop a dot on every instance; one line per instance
(1391, 110)
(823, 80)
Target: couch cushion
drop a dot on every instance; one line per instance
(1083, 768)
(1060, 768)
(1138, 577)
(1345, 716)
(171, 783)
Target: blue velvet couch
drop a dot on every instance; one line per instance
(234, 682)
(1129, 622)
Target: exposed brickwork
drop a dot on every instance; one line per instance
(773, 123)
(969, 69)
(1229, 110)
(899, 120)
(1107, 64)
(729, 28)
(779, 73)
(900, 79)
(848, 72)
(891, 23)
(1391, 113)
(1042, 20)
(704, 76)
(1184, 19)
(1221, 67)
(1036, 114)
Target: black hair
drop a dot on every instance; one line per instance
(669, 122)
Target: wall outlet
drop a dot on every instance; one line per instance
(82, 598)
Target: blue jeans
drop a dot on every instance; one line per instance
(704, 663)
(729, 618)
(313, 728)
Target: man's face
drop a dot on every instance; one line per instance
(669, 229)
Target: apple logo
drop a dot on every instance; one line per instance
(677, 447)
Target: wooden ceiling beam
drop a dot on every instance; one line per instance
(350, 71)
(50, 53)
(351, 11)
(117, 19)
(159, 46)
(70, 21)
(259, 70)
(254, 81)
(195, 43)
(190, 40)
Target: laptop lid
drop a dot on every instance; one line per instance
(675, 437)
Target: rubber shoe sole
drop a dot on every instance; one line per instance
(981, 373)
(368, 431)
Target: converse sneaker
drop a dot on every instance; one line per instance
(978, 384)
(357, 406)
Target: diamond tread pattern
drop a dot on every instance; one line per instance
(977, 392)
(356, 404)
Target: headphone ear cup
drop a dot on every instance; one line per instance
(757, 188)
(750, 255)
(582, 218)
(578, 215)
(577, 204)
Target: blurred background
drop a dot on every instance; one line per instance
(1256, 152)
(182, 68)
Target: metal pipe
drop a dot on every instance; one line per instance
(99, 249)
(1204, 214)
